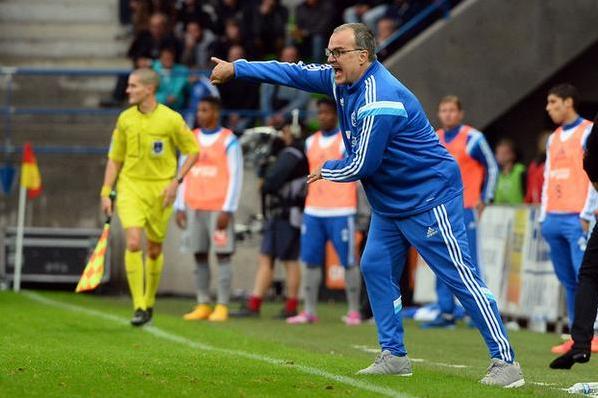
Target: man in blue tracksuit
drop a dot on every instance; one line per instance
(411, 181)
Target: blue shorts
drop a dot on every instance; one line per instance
(280, 240)
(316, 231)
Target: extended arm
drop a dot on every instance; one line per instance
(313, 78)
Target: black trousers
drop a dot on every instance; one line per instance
(586, 297)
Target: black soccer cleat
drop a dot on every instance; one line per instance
(244, 312)
(567, 360)
(140, 317)
(150, 313)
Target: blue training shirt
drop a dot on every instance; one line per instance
(391, 146)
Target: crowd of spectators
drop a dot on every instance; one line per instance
(177, 38)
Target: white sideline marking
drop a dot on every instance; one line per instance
(365, 348)
(205, 347)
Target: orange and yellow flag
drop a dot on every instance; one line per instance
(94, 270)
(30, 176)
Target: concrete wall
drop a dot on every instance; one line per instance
(492, 53)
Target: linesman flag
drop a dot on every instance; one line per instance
(30, 176)
(94, 270)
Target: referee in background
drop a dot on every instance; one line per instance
(143, 157)
(586, 296)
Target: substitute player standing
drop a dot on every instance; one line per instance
(143, 157)
(330, 210)
(411, 181)
(206, 203)
(567, 205)
(478, 173)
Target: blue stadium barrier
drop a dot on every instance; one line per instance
(416, 21)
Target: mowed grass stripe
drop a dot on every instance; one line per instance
(157, 332)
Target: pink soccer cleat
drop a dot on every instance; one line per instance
(302, 318)
(562, 348)
(353, 318)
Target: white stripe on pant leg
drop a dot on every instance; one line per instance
(351, 255)
(474, 288)
(476, 298)
(478, 288)
(364, 385)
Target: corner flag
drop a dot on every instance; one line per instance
(30, 176)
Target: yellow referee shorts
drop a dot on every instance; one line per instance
(139, 204)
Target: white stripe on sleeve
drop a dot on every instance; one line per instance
(235, 167)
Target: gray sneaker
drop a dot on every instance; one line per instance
(503, 374)
(388, 364)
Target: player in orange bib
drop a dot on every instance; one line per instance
(479, 174)
(567, 207)
(206, 202)
(329, 215)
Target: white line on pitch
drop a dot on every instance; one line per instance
(205, 347)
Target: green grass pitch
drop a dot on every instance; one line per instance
(56, 344)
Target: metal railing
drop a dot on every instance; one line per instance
(416, 22)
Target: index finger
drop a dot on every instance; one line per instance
(216, 60)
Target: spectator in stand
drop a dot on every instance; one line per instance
(232, 36)
(198, 43)
(277, 102)
(145, 46)
(173, 80)
(266, 23)
(314, 23)
(227, 10)
(159, 35)
(386, 27)
(166, 7)
(239, 95)
(510, 188)
(193, 11)
(141, 10)
(366, 11)
(535, 172)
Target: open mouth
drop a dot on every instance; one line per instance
(337, 71)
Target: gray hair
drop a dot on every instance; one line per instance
(148, 77)
(364, 38)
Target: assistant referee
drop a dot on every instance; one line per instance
(143, 157)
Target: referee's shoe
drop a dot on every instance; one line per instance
(140, 317)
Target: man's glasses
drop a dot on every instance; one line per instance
(338, 52)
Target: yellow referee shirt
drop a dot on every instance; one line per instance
(146, 144)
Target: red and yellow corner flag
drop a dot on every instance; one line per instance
(94, 270)
(30, 176)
